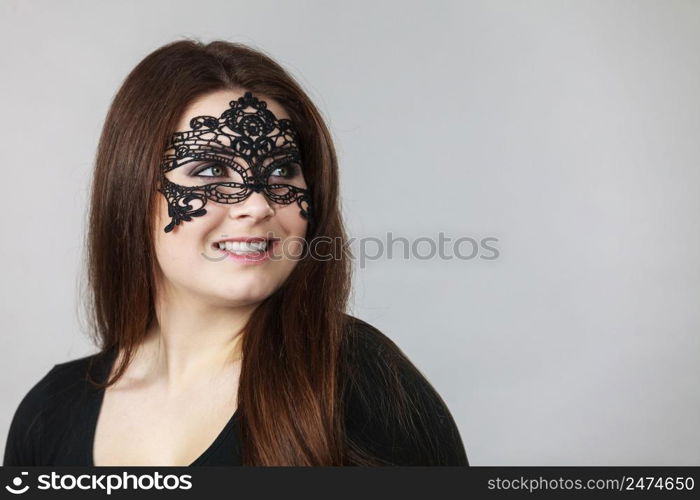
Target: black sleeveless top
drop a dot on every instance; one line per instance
(54, 424)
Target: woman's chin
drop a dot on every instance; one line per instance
(242, 296)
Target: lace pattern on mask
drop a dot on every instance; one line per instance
(248, 139)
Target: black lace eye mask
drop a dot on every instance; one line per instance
(247, 149)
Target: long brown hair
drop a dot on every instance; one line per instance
(295, 334)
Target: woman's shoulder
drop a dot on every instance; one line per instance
(371, 354)
(52, 388)
(362, 336)
(49, 400)
(392, 410)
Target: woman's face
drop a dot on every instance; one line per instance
(191, 257)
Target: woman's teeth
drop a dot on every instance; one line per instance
(243, 247)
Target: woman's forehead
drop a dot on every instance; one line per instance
(215, 103)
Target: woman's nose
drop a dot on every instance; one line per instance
(256, 206)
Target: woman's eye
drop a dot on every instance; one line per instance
(285, 171)
(212, 171)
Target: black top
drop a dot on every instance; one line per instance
(55, 422)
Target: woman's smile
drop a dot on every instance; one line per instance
(247, 250)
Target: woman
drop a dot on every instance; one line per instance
(215, 351)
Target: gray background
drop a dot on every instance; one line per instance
(567, 130)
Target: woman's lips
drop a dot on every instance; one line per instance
(249, 258)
